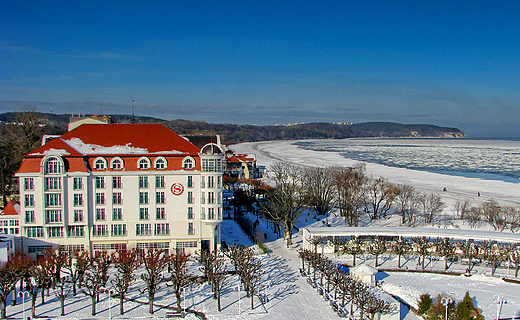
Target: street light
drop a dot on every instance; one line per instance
(446, 302)
(109, 292)
(500, 301)
(22, 295)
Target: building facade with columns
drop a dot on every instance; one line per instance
(118, 186)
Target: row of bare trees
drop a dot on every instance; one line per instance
(500, 218)
(491, 251)
(345, 288)
(348, 190)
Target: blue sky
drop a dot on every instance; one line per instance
(449, 63)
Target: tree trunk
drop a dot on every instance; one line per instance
(399, 262)
(516, 270)
(93, 304)
(62, 301)
(150, 301)
(445, 263)
(218, 302)
(178, 296)
(493, 267)
(43, 295)
(423, 258)
(33, 304)
(121, 308)
(354, 263)
(2, 306)
(376, 259)
(252, 301)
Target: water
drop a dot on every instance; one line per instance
(485, 159)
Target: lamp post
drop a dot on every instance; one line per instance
(446, 302)
(22, 295)
(500, 301)
(109, 293)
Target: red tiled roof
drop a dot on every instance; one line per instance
(153, 137)
(10, 209)
(236, 158)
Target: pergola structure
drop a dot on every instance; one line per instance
(401, 232)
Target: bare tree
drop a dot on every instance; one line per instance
(514, 255)
(444, 247)
(315, 241)
(493, 214)
(377, 247)
(58, 259)
(154, 263)
(353, 247)
(319, 189)
(422, 245)
(76, 265)
(286, 199)
(61, 293)
(400, 247)
(349, 184)
(431, 205)
(8, 279)
(473, 216)
(469, 250)
(461, 208)
(41, 275)
(492, 252)
(126, 263)
(512, 217)
(405, 200)
(376, 305)
(380, 195)
(93, 281)
(180, 276)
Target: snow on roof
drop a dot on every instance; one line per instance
(416, 232)
(52, 152)
(87, 149)
(364, 269)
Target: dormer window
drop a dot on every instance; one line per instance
(100, 164)
(188, 163)
(117, 164)
(144, 163)
(52, 166)
(160, 163)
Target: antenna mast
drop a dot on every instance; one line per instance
(133, 107)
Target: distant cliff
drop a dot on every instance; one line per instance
(57, 124)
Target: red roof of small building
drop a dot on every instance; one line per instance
(10, 208)
(238, 158)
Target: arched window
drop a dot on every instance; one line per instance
(52, 165)
(117, 164)
(100, 164)
(188, 163)
(144, 163)
(160, 163)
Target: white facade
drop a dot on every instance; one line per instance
(121, 200)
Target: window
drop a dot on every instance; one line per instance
(202, 214)
(161, 229)
(52, 184)
(143, 214)
(100, 164)
(28, 184)
(77, 184)
(191, 231)
(160, 214)
(29, 216)
(100, 182)
(55, 232)
(100, 214)
(117, 198)
(188, 163)
(144, 163)
(118, 230)
(78, 215)
(78, 199)
(211, 213)
(117, 214)
(160, 163)
(143, 229)
(143, 182)
(181, 245)
(29, 200)
(190, 197)
(143, 197)
(159, 197)
(34, 232)
(76, 231)
(190, 181)
(116, 183)
(117, 164)
(53, 199)
(211, 182)
(100, 230)
(211, 165)
(219, 182)
(159, 182)
(203, 197)
(219, 197)
(190, 213)
(52, 166)
(53, 216)
(100, 198)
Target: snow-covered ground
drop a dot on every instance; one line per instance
(410, 285)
